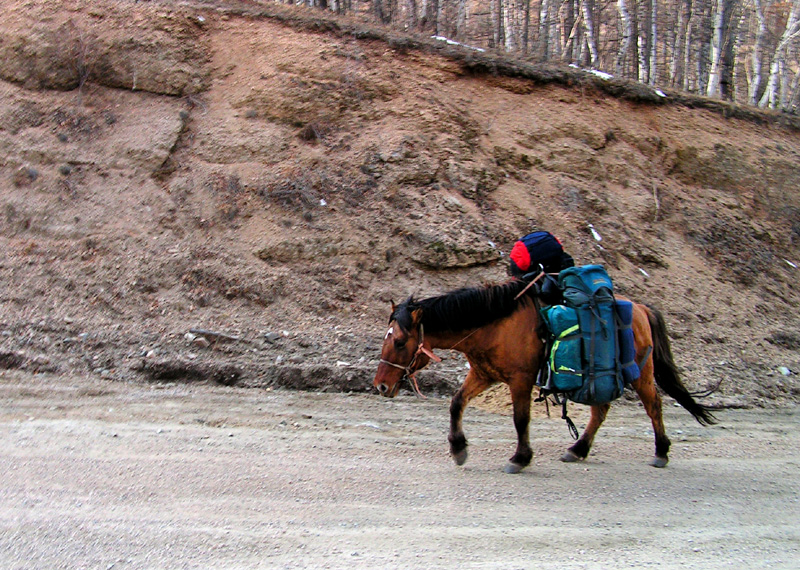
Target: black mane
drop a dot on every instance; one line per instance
(463, 309)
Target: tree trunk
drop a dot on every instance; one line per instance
(461, 21)
(635, 60)
(730, 49)
(430, 11)
(526, 25)
(652, 44)
(544, 30)
(687, 46)
(642, 41)
(627, 36)
(714, 73)
(588, 25)
(774, 94)
(676, 69)
(496, 9)
(413, 17)
(794, 100)
(509, 27)
(753, 91)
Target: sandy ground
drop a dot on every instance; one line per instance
(100, 474)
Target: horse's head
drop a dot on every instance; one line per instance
(402, 353)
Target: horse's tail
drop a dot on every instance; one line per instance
(666, 372)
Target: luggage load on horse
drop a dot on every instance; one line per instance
(538, 251)
(536, 258)
(589, 339)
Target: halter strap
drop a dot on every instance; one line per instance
(408, 369)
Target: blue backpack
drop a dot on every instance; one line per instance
(592, 356)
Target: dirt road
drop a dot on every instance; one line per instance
(99, 474)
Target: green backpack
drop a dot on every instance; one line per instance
(584, 357)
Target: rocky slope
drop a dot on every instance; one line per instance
(278, 177)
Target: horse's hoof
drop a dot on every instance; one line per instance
(461, 457)
(570, 457)
(513, 468)
(659, 462)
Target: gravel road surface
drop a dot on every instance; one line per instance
(99, 474)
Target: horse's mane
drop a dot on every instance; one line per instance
(467, 308)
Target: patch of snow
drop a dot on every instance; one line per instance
(455, 43)
(595, 235)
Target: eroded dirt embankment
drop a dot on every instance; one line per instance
(280, 183)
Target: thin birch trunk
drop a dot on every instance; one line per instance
(544, 30)
(758, 48)
(676, 59)
(687, 47)
(627, 35)
(555, 30)
(652, 67)
(588, 25)
(509, 27)
(644, 48)
(461, 21)
(714, 73)
(772, 98)
(526, 26)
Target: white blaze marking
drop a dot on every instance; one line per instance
(389, 332)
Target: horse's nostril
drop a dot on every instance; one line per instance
(383, 388)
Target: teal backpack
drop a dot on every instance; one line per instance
(584, 362)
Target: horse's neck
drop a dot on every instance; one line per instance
(462, 341)
(520, 326)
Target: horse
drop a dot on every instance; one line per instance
(497, 328)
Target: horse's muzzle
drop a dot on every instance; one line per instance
(384, 390)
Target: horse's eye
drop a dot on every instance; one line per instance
(399, 344)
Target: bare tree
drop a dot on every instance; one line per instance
(740, 50)
(722, 40)
(776, 93)
(587, 12)
(627, 37)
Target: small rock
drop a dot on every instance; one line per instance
(785, 371)
(201, 341)
(271, 337)
(25, 175)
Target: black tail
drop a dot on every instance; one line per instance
(666, 372)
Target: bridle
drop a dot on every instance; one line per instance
(409, 371)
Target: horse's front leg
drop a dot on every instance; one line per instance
(580, 450)
(521, 399)
(472, 386)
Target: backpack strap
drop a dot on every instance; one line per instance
(573, 431)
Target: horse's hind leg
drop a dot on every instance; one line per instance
(471, 387)
(651, 400)
(580, 450)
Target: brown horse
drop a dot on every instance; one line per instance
(497, 329)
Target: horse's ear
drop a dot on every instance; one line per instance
(394, 307)
(416, 316)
